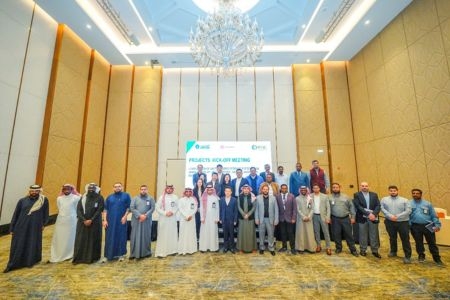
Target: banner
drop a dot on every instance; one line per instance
(231, 155)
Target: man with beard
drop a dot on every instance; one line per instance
(66, 224)
(141, 208)
(424, 223)
(342, 216)
(246, 233)
(167, 208)
(367, 207)
(266, 217)
(288, 214)
(27, 224)
(187, 239)
(117, 206)
(396, 211)
(88, 239)
(209, 217)
(304, 235)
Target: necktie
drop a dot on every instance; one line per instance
(284, 201)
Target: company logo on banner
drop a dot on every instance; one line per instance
(231, 155)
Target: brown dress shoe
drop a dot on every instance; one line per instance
(318, 249)
(328, 251)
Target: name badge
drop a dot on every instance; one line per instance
(214, 205)
(425, 211)
(172, 204)
(192, 206)
(96, 205)
(148, 202)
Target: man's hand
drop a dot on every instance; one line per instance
(87, 223)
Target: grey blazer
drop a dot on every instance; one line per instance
(325, 210)
(273, 209)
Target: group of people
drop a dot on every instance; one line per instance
(297, 206)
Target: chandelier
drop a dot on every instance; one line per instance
(226, 40)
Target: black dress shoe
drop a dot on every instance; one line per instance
(355, 253)
(284, 249)
(293, 251)
(261, 251)
(272, 252)
(6, 270)
(376, 254)
(337, 251)
(363, 253)
(232, 251)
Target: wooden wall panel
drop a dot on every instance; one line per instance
(115, 149)
(144, 129)
(59, 161)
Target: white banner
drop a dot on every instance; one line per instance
(231, 155)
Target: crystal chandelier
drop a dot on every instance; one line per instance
(226, 40)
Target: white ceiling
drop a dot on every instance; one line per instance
(292, 28)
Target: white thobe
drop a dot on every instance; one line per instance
(209, 233)
(167, 240)
(187, 239)
(65, 228)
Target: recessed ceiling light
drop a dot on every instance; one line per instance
(308, 60)
(303, 26)
(88, 26)
(146, 62)
(320, 151)
(367, 22)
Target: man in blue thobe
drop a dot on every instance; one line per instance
(117, 206)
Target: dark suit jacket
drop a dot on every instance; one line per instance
(233, 185)
(228, 213)
(290, 213)
(360, 205)
(217, 187)
(263, 175)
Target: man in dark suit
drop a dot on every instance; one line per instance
(228, 219)
(199, 174)
(367, 207)
(267, 171)
(287, 209)
(215, 183)
(237, 183)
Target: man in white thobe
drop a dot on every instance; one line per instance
(187, 239)
(66, 224)
(209, 216)
(167, 208)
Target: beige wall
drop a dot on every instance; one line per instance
(323, 121)
(400, 98)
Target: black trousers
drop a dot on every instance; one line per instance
(197, 224)
(342, 226)
(402, 228)
(228, 235)
(287, 234)
(418, 231)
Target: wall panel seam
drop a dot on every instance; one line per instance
(327, 120)
(16, 108)
(85, 116)
(49, 105)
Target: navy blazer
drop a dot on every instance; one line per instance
(233, 185)
(228, 213)
(360, 205)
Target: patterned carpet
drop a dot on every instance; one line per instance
(228, 276)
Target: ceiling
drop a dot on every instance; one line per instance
(293, 29)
